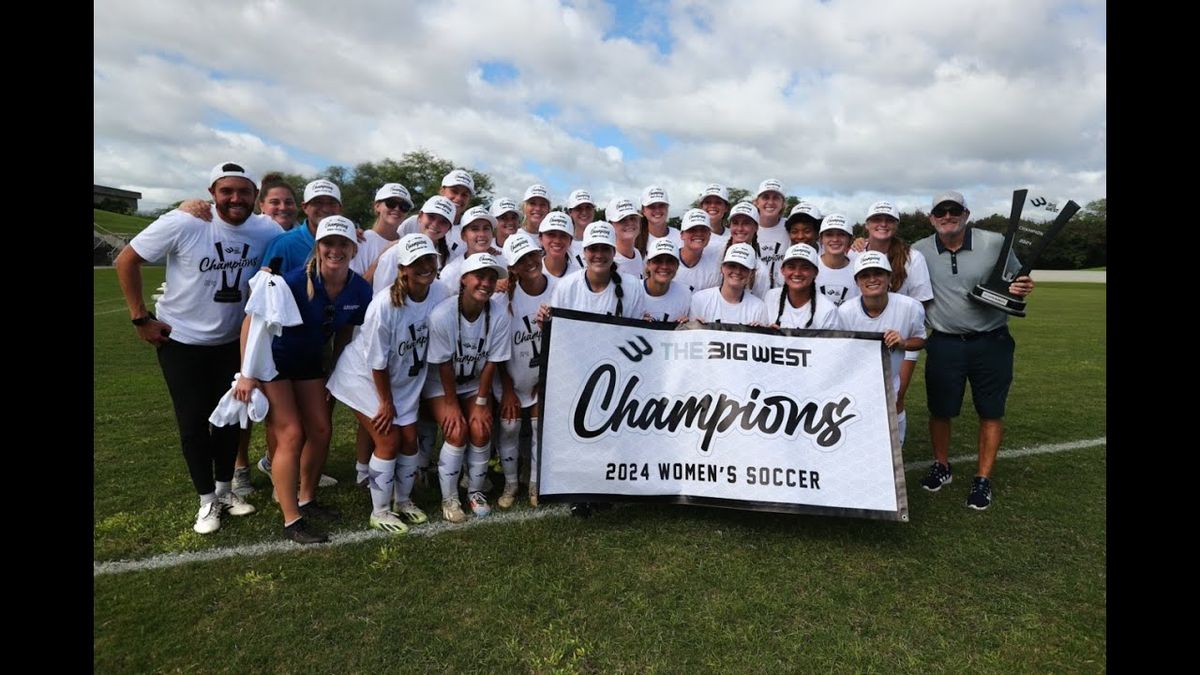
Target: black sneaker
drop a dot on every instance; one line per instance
(981, 494)
(299, 533)
(581, 510)
(939, 475)
(315, 510)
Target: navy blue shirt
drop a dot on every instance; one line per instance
(302, 344)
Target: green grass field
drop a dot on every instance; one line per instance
(1020, 587)
(121, 224)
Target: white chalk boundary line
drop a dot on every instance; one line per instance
(441, 527)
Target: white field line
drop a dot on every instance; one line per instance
(110, 311)
(441, 527)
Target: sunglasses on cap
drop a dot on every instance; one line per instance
(393, 203)
(941, 210)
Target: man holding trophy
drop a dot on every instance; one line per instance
(969, 341)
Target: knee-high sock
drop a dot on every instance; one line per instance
(381, 473)
(535, 452)
(406, 473)
(477, 466)
(450, 463)
(510, 430)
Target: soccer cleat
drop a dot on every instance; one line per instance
(316, 510)
(209, 518)
(981, 494)
(452, 510)
(508, 497)
(479, 504)
(327, 481)
(533, 494)
(412, 513)
(388, 522)
(939, 475)
(235, 505)
(263, 467)
(299, 533)
(581, 510)
(242, 486)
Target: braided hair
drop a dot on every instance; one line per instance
(783, 298)
(615, 277)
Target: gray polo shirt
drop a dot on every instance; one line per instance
(953, 276)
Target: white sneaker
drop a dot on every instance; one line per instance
(479, 504)
(235, 505)
(327, 481)
(208, 520)
(388, 522)
(265, 468)
(412, 513)
(509, 496)
(242, 486)
(452, 510)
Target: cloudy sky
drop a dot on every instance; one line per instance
(845, 101)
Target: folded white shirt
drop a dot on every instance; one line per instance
(229, 410)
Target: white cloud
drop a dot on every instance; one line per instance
(846, 102)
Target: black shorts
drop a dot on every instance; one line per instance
(301, 369)
(983, 359)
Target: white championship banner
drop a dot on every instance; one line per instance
(794, 421)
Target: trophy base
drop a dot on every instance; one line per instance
(1001, 301)
(227, 295)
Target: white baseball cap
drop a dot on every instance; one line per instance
(836, 221)
(694, 218)
(322, 188)
(504, 205)
(599, 233)
(557, 221)
(804, 208)
(440, 206)
(413, 246)
(769, 185)
(336, 225)
(655, 194)
(742, 254)
(949, 196)
(536, 190)
(885, 209)
(459, 177)
(482, 261)
(518, 245)
(478, 213)
(801, 252)
(393, 190)
(871, 260)
(662, 246)
(579, 197)
(715, 190)
(744, 209)
(619, 209)
(230, 170)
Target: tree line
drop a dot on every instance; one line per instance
(1082, 243)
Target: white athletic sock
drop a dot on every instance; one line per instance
(406, 474)
(535, 452)
(382, 473)
(450, 463)
(363, 471)
(426, 433)
(902, 425)
(208, 498)
(477, 466)
(224, 487)
(510, 430)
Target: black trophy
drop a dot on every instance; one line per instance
(230, 292)
(1026, 241)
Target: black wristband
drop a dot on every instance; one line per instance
(142, 320)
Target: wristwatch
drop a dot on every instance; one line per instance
(142, 320)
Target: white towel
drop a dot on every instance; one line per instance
(229, 410)
(271, 307)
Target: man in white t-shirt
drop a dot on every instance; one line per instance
(209, 265)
